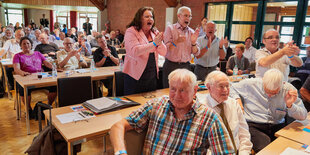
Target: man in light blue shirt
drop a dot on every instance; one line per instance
(266, 102)
(211, 51)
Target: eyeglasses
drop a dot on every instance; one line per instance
(187, 16)
(68, 43)
(271, 37)
(148, 95)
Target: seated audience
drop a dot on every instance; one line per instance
(36, 40)
(12, 46)
(64, 30)
(50, 37)
(28, 62)
(119, 35)
(28, 33)
(266, 101)
(56, 34)
(113, 41)
(249, 52)
(7, 36)
(186, 125)
(60, 42)
(69, 58)
(230, 111)
(239, 60)
(82, 43)
(305, 93)
(71, 35)
(304, 70)
(106, 56)
(46, 48)
(273, 57)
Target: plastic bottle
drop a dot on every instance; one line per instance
(121, 64)
(54, 70)
(92, 65)
(235, 70)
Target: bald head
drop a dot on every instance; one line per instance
(43, 38)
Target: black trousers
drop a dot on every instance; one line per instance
(202, 72)
(262, 134)
(170, 66)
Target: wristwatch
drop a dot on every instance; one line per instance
(120, 152)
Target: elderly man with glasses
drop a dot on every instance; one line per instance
(266, 101)
(273, 57)
(70, 58)
(181, 42)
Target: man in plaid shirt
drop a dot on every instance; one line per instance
(176, 124)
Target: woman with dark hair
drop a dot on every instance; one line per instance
(143, 44)
(27, 62)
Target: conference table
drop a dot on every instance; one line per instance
(294, 131)
(32, 81)
(82, 131)
(279, 145)
(6, 63)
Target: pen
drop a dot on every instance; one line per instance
(82, 115)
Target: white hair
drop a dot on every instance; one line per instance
(181, 9)
(213, 76)
(183, 75)
(273, 79)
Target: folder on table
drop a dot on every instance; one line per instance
(104, 104)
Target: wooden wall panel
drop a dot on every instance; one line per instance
(52, 2)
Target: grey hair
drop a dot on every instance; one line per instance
(269, 31)
(213, 76)
(9, 29)
(37, 30)
(273, 79)
(181, 9)
(183, 75)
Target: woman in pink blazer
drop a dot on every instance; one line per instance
(143, 43)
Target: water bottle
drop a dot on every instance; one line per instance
(92, 65)
(235, 70)
(54, 71)
(121, 64)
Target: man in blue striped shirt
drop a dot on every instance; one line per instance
(177, 124)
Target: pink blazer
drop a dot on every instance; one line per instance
(137, 52)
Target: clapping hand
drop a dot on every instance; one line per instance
(224, 42)
(159, 38)
(195, 35)
(290, 98)
(290, 49)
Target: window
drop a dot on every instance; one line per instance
(63, 18)
(92, 19)
(13, 16)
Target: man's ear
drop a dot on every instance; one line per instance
(208, 86)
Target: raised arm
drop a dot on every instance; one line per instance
(117, 134)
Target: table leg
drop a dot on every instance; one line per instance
(70, 148)
(113, 87)
(26, 108)
(17, 103)
(6, 82)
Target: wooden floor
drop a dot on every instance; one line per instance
(13, 135)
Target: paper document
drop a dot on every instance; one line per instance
(102, 103)
(82, 70)
(73, 116)
(291, 151)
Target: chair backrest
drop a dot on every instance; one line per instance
(119, 83)
(74, 90)
(134, 142)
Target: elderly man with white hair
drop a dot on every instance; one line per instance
(273, 57)
(181, 42)
(46, 48)
(266, 102)
(8, 34)
(228, 108)
(177, 124)
(36, 40)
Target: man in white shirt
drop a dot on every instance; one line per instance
(249, 52)
(273, 57)
(11, 47)
(217, 83)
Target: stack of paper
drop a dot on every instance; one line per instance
(103, 104)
